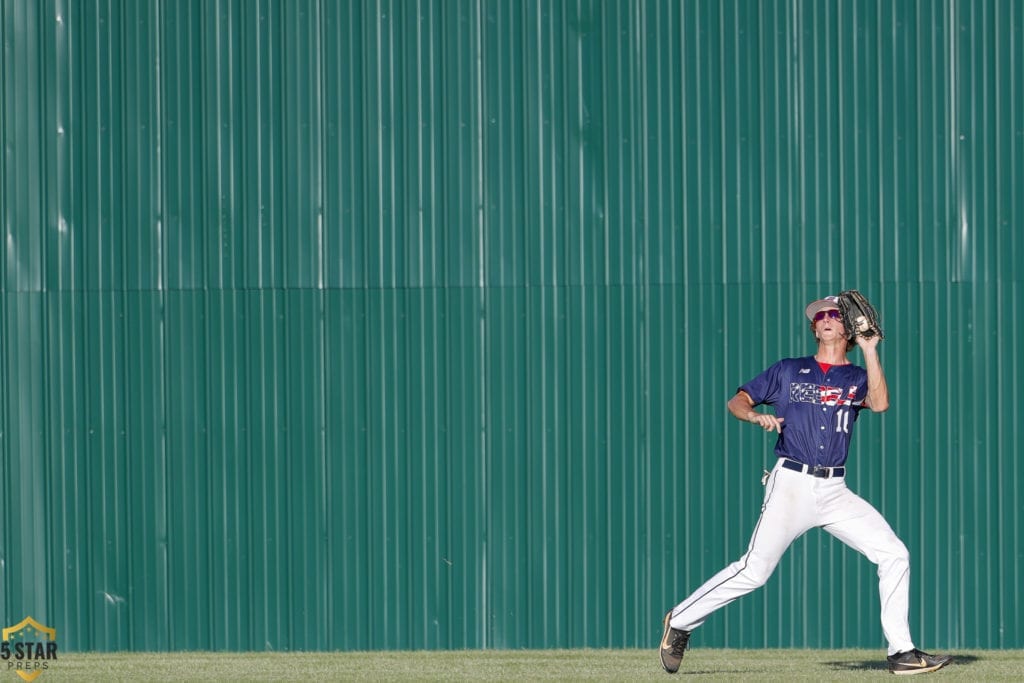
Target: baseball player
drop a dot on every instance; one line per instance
(815, 401)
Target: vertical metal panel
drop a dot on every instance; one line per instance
(357, 325)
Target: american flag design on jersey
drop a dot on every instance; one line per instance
(821, 394)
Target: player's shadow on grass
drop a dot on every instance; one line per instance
(882, 665)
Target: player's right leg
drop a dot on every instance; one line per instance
(788, 511)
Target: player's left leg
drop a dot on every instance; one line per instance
(859, 525)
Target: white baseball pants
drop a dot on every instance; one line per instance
(795, 502)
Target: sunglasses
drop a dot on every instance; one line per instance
(821, 315)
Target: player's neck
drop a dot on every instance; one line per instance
(832, 354)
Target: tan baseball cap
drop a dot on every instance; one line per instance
(821, 305)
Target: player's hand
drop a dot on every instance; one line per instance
(867, 343)
(768, 423)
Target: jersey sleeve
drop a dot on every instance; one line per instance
(766, 387)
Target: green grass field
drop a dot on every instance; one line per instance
(609, 665)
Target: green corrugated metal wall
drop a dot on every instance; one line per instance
(411, 324)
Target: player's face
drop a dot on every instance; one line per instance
(828, 321)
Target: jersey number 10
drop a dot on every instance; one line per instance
(843, 421)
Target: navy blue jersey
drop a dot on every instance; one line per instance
(819, 408)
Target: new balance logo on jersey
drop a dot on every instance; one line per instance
(820, 394)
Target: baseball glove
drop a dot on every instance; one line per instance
(859, 316)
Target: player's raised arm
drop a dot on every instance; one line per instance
(878, 389)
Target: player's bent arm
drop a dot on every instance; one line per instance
(742, 408)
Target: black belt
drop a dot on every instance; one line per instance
(814, 470)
